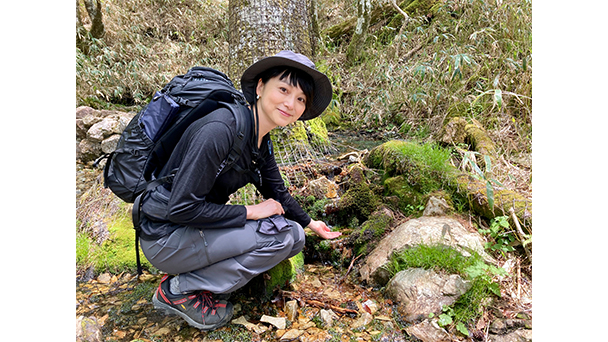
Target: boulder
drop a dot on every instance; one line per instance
(424, 230)
(420, 292)
(88, 330)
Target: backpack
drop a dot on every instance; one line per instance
(146, 143)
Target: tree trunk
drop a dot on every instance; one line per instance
(97, 29)
(259, 28)
(355, 48)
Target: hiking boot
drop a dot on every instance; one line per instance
(200, 309)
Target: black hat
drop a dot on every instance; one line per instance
(322, 86)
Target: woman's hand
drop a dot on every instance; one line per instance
(321, 229)
(265, 209)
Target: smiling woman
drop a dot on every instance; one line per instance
(211, 248)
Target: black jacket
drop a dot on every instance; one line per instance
(197, 199)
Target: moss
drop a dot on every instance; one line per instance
(422, 165)
(365, 238)
(116, 254)
(285, 272)
(475, 193)
(358, 201)
(318, 131)
(479, 140)
(407, 195)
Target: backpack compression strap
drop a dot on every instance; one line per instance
(136, 213)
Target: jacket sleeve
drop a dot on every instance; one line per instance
(205, 150)
(273, 187)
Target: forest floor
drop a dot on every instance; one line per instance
(122, 306)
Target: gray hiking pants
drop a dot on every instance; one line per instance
(221, 260)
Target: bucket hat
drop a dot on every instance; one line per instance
(322, 85)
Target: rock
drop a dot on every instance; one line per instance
(328, 317)
(437, 207)
(104, 278)
(90, 120)
(424, 230)
(250, 326)
(421, 292)
(88, 330)
(291, 310)
(278, 322)
(88, 150)
(83, 111)
(363, 320)
(103, 129)
(109, 145)
(520, 335)
(428, 331)
(291, 335)
(323, 188)
(501, 326)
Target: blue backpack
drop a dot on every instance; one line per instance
(148, 140)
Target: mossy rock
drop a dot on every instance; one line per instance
(359, 200)
(285, 272)
(279, 276)
(423, 166)
(365, 238)
(400, 187)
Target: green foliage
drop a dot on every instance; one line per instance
(501, 235)
(487, 176)
(476, 55)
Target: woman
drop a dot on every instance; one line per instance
(213, 248)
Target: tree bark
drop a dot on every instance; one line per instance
(259, 28)
(97, 29)
(355, 48)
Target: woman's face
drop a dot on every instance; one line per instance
(280, 102)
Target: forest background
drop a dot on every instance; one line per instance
(569, 86)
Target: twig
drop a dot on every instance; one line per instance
(317, 303)
(520, 232)
(394, 3)
(352, 262)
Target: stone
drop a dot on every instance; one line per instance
(363, 320)
(88, 150)
(291, 335)
(519, 335)
(428, 331)
(104, 128)
(328, 317)
(322, 188)
(83, 111)
(424, 230)
(108, 145)
(279, 322)
(104, 278)
(291, 310)
(88, 330)
(420, 292)
(437, 207)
